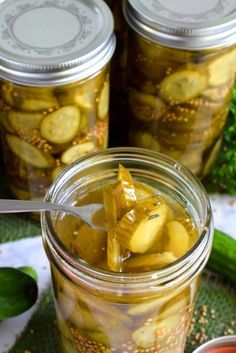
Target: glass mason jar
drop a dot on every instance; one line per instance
(54, 87)
(103, 311)
(181, 70)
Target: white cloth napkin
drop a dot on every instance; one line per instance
(25, 252)
(224, 212)
(30, 252)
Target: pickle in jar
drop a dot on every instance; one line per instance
(146, 107)
(222, 69)
(72, 153)
(25, 123)
(145, 229)
(182, 86)
(61, 126)
(29, 153)
(103, 101)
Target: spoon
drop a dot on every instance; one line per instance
(85, 213)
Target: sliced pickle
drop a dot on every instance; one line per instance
(61, 126)
(25, 123)
(29, 153)
(212, 156)
(148, 262)
(77, 151)
(90, 244)
(84, 100)
(83, 318)
(143, 191)
(176, 305)
(57, 170)
(149, 335)
(66, 305)
(222, 69)
(217, 93)
(5, 123)
(42, 102)
(114, 251)
(80, 97)
(178, 240)
(182, 86)
(7, 94)
(145, 107)
(103, 101)
(145, 336)
(97, 337)
(146, 218)
(143, 308)
(145, 140)
(84, 123)
(124, 192)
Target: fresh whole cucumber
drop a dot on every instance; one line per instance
(223, 256)
(18, 292)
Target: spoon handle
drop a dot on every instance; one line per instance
(15, 206)
(85, 213)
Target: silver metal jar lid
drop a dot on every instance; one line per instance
(220, 342)
(184, 24)
(53, 42)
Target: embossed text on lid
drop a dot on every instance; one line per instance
(54, 41)
(186, 24)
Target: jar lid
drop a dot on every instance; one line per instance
(227, 343)
(53, 42)
(184, 24)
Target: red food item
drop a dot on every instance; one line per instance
(222, 350)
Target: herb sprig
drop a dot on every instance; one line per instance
(222, 177)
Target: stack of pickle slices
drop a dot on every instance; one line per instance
(46, 128)
(179, 101)
(146, 230)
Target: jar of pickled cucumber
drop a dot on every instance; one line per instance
(129, 285)
(181, 70)
(54, 87)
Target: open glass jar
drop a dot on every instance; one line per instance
(108, 311)
(54, 87)
(181, 70)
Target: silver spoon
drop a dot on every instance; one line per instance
(85, 213)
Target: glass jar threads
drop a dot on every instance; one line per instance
(181, 69)
(54, 87)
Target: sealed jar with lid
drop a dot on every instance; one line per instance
(54, 87)
(181, 70)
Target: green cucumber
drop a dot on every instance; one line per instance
(18, 292)
(30, 271)
(223, 256)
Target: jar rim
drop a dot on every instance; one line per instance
(167, 276)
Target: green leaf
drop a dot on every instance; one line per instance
(222, 177)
